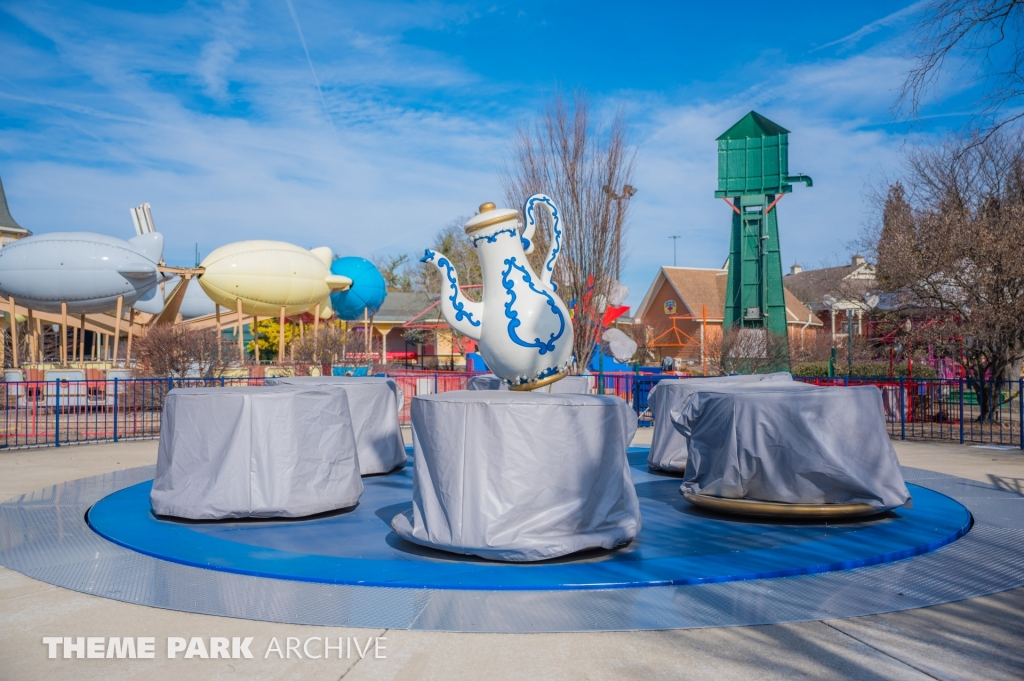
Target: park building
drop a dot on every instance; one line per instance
(415, 334)
(684, 309)
(9, 229)
(836, 295)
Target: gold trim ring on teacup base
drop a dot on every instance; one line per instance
(533, 385)
(775, 509)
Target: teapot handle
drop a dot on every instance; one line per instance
(548, 268)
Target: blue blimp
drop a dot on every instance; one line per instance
(367, 292)
(87, 271)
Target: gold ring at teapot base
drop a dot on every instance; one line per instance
(533, 385)
(775, 509)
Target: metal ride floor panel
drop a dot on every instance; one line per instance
(45, 536)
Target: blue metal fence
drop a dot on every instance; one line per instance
(61, 412)
(952, 410)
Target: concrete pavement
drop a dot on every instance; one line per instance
(981, 638)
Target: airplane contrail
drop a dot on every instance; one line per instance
(870, 28)
(309, 60)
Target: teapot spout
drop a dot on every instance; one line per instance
(463, 314)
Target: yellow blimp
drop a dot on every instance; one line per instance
(268, 275)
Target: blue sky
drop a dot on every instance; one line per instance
(398, 120)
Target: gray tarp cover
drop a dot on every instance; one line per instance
(819, 446)
(255, 451)
(668, 445)
(520, 476)
(570, 384)
(578, 385)
(486, 382)
(374, 404)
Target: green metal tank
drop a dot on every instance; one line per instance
(753, 175)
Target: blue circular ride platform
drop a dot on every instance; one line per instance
(678, 545)
(45, 535)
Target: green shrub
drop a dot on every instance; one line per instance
(863, 369)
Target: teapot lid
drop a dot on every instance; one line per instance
(490, 215)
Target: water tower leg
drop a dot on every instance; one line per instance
(64, 334)
(14, 334)
(117, 327)
(280, 338)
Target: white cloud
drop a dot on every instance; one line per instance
(218, 55)
(247, 152)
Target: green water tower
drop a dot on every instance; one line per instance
(753, 176)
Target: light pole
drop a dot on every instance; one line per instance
(627, 193)
(849, 337)
(674, 249)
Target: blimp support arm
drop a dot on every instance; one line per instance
(173, 304)
(463, 314)
(182, 271)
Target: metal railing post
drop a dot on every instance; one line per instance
(903, 411)
(961, 410)
(56, 414)
(115, 408)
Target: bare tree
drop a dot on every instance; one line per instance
(321, 346)
(982, 40)
(950, 255)
(177, 351)
(24, 345)
(335, 341)
(588, 170)
(745, 351)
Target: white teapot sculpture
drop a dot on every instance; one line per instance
(523, 328)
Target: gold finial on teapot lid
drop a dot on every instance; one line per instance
(490, 215)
